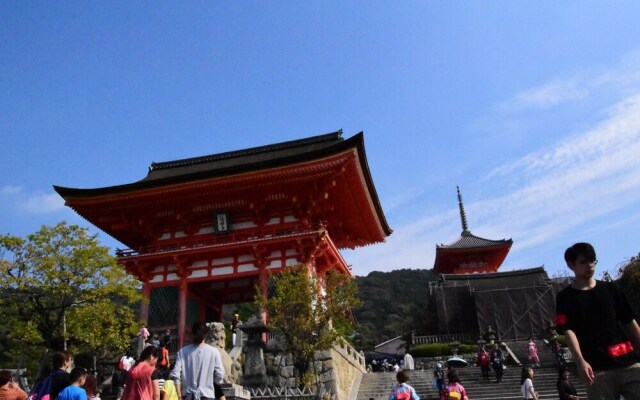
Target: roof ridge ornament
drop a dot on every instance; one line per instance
(463, 216)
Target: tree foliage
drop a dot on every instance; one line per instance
(629, 281)
(308, 319)
(60, 277)
(395, 303)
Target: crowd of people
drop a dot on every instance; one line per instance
(197, 374)
(391, 364)
(595, 317)
(451, 388)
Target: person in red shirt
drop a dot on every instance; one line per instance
(142, 379)
(8, 389)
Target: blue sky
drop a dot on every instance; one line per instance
(533, 108)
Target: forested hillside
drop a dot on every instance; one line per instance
(395, 303)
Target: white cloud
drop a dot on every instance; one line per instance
(8, 190)
(34, 203)
(43, 203)
(581, 178)
(582, 85)
(551, 94)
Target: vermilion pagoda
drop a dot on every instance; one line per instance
(202, 232)
(469, 253)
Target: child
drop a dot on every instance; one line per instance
(526, 384)
(402, 391)
(74, 391)
(600, 329)
(91, 387)
(454, 389)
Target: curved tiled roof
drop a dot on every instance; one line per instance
(241, 158)
(162, 175)
(499, 280)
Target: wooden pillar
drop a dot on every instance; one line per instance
(202, 314)
(144, 307)
(220, 306)
(264, 288)
(182, 312)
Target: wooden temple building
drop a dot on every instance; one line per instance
(471, 295)
(470, 253)
(203, 232)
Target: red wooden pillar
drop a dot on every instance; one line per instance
(182, 312)
(202, 312)
(264, 288)
(144, 307)
(220, 306)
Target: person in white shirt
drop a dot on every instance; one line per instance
(198, 370)
(526, 384)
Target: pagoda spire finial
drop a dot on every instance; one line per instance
(463, 217)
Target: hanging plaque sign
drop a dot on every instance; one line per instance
(221, 222)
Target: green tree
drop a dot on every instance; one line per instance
(61, 287)
(629, 281)
(308, 319)
(395, 303)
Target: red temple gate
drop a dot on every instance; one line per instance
(203, 232)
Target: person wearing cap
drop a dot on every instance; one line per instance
(234, 327)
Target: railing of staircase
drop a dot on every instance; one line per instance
(460, 337)
(291, 393)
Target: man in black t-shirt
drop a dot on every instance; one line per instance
(600, 329)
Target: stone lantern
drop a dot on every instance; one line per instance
(254, 371)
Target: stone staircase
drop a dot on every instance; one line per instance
(378, 385)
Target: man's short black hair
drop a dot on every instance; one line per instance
(77, 373)
(199, 331)
(580, 249)
(5, 377)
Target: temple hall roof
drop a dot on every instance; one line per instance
(326, 177)
(228, 163)
(239, 159)
(499, 280)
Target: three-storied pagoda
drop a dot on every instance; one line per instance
(203, 232)
(471, 295)
(470, 253)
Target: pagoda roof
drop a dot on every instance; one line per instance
(469, 252)
(469, 241)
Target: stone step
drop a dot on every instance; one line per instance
(378, 385)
